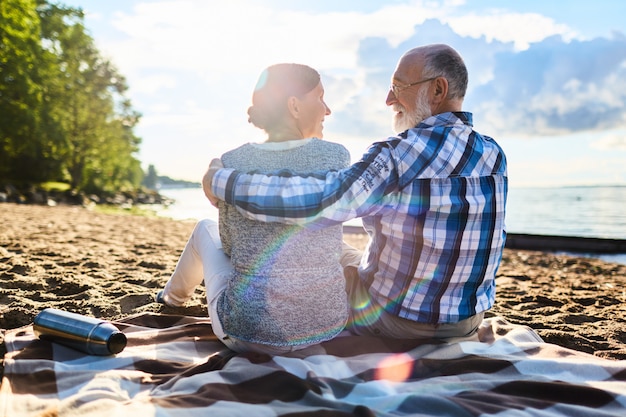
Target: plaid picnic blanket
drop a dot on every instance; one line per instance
(174, 366)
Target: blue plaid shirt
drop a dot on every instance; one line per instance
(432, 200)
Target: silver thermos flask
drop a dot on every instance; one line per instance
(87, 334)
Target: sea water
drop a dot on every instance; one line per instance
(188, 204)
(584, 211)
(568, 211)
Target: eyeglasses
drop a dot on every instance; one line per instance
(395, 89)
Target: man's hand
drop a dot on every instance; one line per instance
(208, 178)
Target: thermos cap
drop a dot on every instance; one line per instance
(116, 342)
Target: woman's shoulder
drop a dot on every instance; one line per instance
(334, 150)
(310, 154)
(327, 144)
(332, 147)
(239, 149)
(236, 156)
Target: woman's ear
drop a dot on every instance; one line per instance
(293, 106)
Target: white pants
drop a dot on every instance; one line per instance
(203, 257)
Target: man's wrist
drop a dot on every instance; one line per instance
(220, 178)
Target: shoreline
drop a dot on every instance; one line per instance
(110, 266)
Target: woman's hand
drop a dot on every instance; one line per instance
(208, 179)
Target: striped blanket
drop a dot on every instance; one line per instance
(174, 366)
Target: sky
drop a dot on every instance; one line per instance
(547, 79)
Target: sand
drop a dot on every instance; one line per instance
(111, 265)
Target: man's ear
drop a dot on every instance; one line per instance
(293, 106)
(440, 89)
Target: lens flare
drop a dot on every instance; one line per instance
(262, 266)
(366, 312)
(395, 368)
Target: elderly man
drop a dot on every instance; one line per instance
(432, 200)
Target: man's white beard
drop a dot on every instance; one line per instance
(410, 120)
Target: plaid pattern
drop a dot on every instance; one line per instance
(432, 200)
(174, 366)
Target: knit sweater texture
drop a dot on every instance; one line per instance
(287, 286)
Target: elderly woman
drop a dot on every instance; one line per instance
(271, 288)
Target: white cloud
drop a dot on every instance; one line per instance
(152, 83)
(614, 141)
(521, 29)
(556, 87)
(234, 36)
(191, 66)
(190, 119)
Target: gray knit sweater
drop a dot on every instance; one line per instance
(287, 287)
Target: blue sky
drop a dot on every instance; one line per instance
(547, 78)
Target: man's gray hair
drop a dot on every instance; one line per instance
(447, 63)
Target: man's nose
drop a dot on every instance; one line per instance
(391, 98)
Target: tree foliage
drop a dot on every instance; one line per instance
(64, 115)
(151, 178)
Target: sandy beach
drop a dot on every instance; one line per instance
(111, 265)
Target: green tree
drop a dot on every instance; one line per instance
(20, 92)
(97, 118)
(69, 117)
(55, 21)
